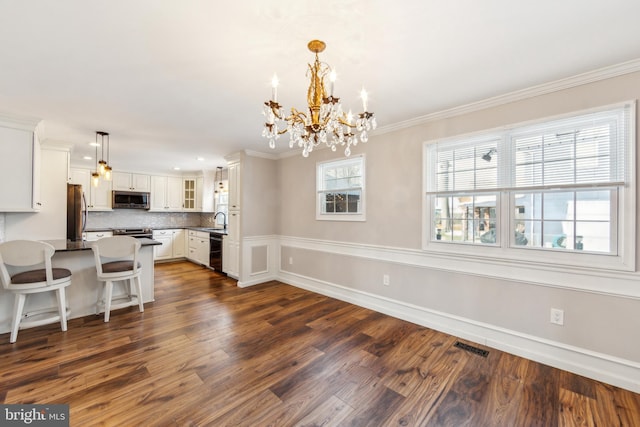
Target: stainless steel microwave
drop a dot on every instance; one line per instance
(130, 200)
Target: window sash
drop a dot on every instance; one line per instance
(586, 219)
(341, 202)
(344, 174)
(340, 189)
(579, 151)
(578, 154)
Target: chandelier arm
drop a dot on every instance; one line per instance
(296, 116)
(275, 108)
(342, 121)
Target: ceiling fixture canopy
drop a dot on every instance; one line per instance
(103, 170)
(324, 122)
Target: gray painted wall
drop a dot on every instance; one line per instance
(604, 323)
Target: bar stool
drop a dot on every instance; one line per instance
(117, 260)
(16, 259)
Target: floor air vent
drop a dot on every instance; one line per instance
(472, 349)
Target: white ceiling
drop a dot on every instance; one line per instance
(172, 80)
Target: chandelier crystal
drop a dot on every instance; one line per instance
(324, 122)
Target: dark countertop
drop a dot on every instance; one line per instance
(66, 246)
(169, 227)
(195, 228)
(209, 230)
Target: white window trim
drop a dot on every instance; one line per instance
(503, 252)
(361, 216)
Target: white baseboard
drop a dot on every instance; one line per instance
(256, 281)
(618, 372)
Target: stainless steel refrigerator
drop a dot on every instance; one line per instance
(76, 212)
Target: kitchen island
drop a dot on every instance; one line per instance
(82, 294)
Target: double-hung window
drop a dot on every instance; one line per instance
(560, 185)
(340, 190)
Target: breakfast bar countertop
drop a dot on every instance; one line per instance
(62, 245)
(85, 288)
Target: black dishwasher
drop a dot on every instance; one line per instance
(215, 251)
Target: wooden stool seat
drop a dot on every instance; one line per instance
(35, 276)
(118, 266)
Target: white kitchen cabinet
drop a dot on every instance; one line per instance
(165, 250)
(198, 247)
(174, 193)
(92, 236)
(189, 194)
(166, 193)
(231, 246)
(19, 163)
(230, 257)
(123, 181)
(234, 185)
(98, 198)
(199, 194)
(172, 244)
(158, 193)
(206, 186)
(36, 201)
(179, 243)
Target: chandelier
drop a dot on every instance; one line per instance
(324, 122)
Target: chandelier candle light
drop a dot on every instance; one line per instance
(325, 122)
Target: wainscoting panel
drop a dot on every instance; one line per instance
(354, 274)
(259, 260)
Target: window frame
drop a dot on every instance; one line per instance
(320, 188)
(504, 248)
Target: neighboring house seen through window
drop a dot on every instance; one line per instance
(561, 185)
(340, 189)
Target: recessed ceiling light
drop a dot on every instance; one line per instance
(94, 144)
(87, 157)
(176, 168)
(200, 159)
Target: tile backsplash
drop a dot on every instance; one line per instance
(131, 218)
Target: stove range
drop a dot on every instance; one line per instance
(134, 232)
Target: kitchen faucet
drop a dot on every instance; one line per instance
(225, 218)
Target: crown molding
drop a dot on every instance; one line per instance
(253, 153)
(19, 122)
(542, 89)
(55, 145)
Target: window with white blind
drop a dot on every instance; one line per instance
(560, 186)
(340, 189)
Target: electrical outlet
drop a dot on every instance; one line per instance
(385, 279)
(290, 260)
(557, 316)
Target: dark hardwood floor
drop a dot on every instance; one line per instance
(209, 353)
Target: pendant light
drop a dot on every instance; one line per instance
(103, 166)
(95, 176)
